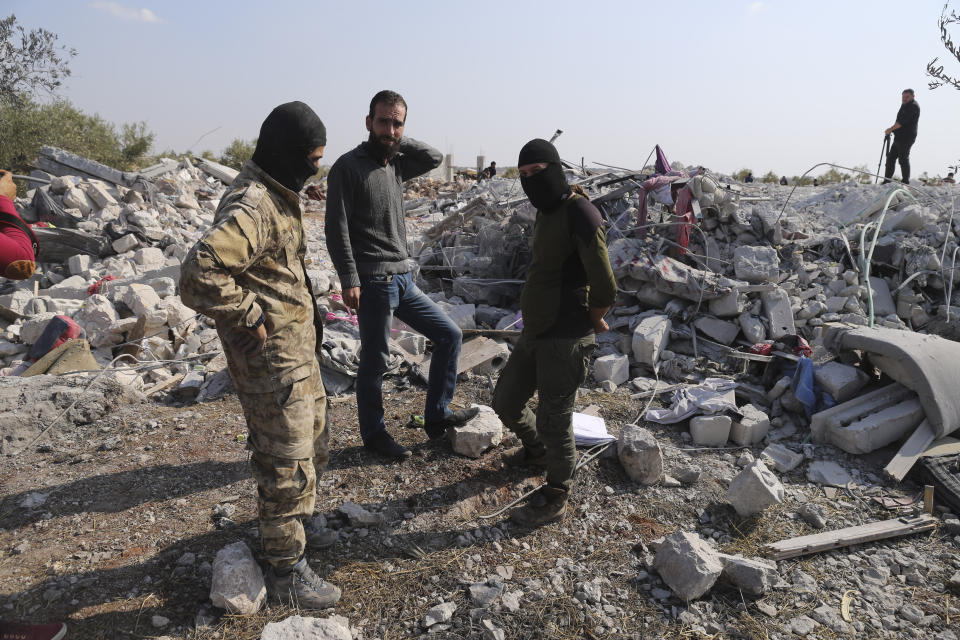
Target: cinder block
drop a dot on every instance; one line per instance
(710, 431)
(751, 428)
(650, 336)
(841, 381)
(779, 315)
(613, 367)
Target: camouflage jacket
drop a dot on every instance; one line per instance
(251, 261)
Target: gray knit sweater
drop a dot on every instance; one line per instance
(365, 229)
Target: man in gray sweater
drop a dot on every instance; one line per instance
(367, 240)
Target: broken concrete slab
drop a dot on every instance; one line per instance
(927, 364)
(841, 381)
(754, 576)
(754, 489)
(828, 473)
(718, 330)
(756, 264)
(640, 454)
(688, 564)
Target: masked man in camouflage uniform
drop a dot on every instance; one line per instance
(247, 273)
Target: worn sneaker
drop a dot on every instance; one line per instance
(301, 588)
(546, 505)
(437, 428)
(19, 631)
(384, 444)
(319, 537)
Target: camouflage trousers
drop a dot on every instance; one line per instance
(554, 368)
(289, 441)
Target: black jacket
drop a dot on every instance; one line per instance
(907, 117)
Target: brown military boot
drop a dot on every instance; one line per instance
(546, 505)
(301, 587)
(524, 457)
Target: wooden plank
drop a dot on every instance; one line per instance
(165, 384)
(804, 545)
(910, 452)
(928, 499)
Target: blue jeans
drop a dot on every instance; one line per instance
(382, 297)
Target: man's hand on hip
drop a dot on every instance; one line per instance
(351, 298)
(249, 341)
(596, 318)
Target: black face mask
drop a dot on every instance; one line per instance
(547, 188)
(287, 137)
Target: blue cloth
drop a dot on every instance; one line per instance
(806, 389)
(382, 297)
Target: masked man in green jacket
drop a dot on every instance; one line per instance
(247, 273)
(569, 289)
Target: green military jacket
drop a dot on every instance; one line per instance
(251, 261)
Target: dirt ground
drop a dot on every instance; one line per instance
(109, 524)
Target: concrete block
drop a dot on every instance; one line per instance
(878, 429)
(97, 317)
(479, 434)
(751, 428)
(753, 329)
(754, 489)
(779, 315)
(165, 287)
(841, 381)
(150, 258)
(823, 423)
(640, 454)
(650, 336)
(613, 367)
(718, 330)
(710, 431)
(74, 198)
(143, 300)
(688, 564)
(883, 304)
(728, 305)
(177, 312)
(756, 264)
(97, 192)
(78, 264)
(829, 473)
(125, 243)
(781, 458)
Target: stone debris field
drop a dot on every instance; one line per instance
(777, 390)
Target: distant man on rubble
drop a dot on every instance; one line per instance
(904, 132)
(569, 289)
(247, 273)
(490, 171)
(366, 237)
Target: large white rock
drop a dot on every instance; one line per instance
(143, 301)
(721, 331)
(756, 264)
(782, 458)
(125, 243)
(237, 584)
(650, 336)
(751, 428)
(613, 367)
(776, 308)
(479, 433)
(165, 287)
(753, 329)
(176, 311)
(640, 454)
(150, 258)
(74, 198)
(78, 264)
(688, 564)
(298, 628)
(97, 318)
(754, 489)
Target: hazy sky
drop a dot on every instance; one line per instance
(773, 84)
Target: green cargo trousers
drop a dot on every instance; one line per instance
(554, 368)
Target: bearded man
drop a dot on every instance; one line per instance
(367, 240)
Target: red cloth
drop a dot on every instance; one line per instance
(762, 348)
(95, 287)
(14, 243)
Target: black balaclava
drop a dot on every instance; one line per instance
(287, 137)
(547, 188)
